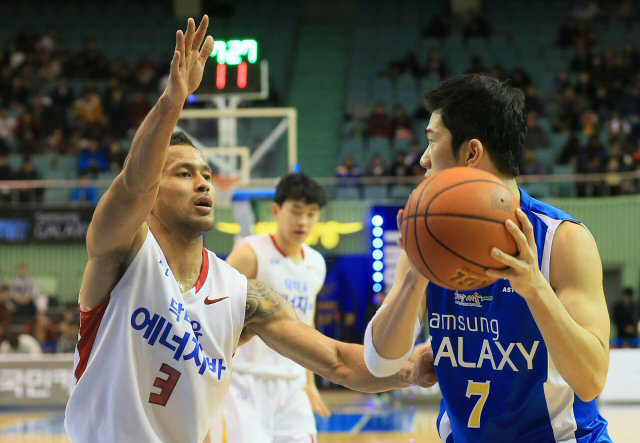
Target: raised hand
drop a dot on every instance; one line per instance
(188, 60)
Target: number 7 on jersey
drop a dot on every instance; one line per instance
(481, 389)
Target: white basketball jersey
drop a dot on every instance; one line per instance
(152, 363)
(299, 283)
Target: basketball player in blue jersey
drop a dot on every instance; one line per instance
(521, 360)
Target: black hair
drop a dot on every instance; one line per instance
(482, 107)
(301, 188)
(180, 138)
(628, 291)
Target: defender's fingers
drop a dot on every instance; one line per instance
(200, 33)
(206, 50)
(180, 44)
(191, 32)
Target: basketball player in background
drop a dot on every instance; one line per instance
(160, 315)
(521, 360)
(271, 398)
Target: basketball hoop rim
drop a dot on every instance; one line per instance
(225, 183)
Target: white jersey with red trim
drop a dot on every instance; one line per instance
(152, 363)
(299, 283)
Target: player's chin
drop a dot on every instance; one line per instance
(203, 222)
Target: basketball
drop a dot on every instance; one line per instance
(450, 223)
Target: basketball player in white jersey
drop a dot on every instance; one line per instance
(270, 399)
(160, 315)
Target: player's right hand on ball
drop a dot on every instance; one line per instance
(189, 58)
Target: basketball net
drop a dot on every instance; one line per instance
(225, 186)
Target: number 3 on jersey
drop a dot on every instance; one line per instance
(481, 389)
(166, 385)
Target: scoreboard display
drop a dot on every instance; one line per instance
(235, 68)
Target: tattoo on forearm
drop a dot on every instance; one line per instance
(262, 301)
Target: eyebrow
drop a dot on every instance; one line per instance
(191, 166)
(428, 131)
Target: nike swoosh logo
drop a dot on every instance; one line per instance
(210, 301)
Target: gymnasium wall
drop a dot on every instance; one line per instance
(343, 231)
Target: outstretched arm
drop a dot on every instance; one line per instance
(132, 194)
(272, 318)
(394, 324)
(391, 332)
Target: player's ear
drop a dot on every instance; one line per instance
(275, 208)
(472, 152)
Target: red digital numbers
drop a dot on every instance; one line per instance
(222, 72)
(243, 71)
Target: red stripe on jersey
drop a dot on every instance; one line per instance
(204, 270)
(89, 325)
(275, 244)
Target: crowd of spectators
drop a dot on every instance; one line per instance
(591, 114)
(59, 102)
(626, 318)
(31, 322)
(597, 102)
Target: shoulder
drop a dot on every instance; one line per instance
(312, 254)
(224, 276)
(244, 258)
(542, 210)
(256, 241)
(574, 255)
(315, 259)
(218, 265)
(573, 239)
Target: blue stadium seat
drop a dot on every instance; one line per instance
(56, 195)
(15, 162)
(381, 147)
(401, 144)
(347, 193)
(538, 190)
(565, 189)
(375, 192)
(558, 140)
(354, 147)
(401, 192)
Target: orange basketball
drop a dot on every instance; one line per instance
(451, 222)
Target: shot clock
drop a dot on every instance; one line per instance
(235, 68)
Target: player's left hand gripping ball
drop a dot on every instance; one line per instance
(423, 371)
(523, 271)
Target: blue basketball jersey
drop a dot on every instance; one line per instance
(498, 383)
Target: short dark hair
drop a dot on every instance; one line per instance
(180, 138)
(299, 187)
(628, 291)
(482, 107)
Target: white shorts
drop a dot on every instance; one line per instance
(264, 410)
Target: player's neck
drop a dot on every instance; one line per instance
(183, 253)
(289, 249)
(510, 182)
(512, 185)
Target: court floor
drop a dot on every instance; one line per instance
(356, 418)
